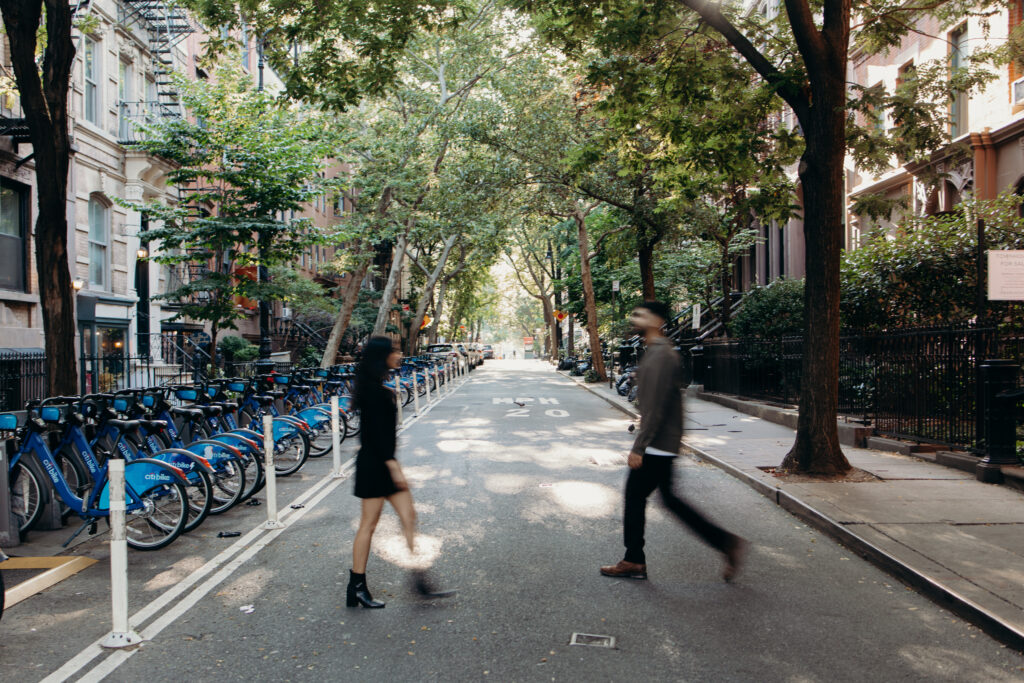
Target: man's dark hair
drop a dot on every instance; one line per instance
(658, 308)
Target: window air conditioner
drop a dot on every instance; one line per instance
(1017, 91)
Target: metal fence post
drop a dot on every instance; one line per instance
(1000, 378)
(335, 437)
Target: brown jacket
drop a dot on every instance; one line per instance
(659, 380)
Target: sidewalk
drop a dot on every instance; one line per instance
(955, 539)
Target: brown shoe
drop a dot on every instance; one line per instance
(626, 570)
(734, 559)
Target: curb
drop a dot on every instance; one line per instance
(943, 596)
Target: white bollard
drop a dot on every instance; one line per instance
(121, 635)
(270, 473)
(430, 373)
(336, 438)
(416, 394)
(398, 400)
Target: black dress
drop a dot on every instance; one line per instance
(378, 417)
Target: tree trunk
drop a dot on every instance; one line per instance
(438, 310)
(645, 255)
(571, 343)
(816, 449)
(349, 299)
(384, 312)
(589, 302)
(45, 106)
(428, 290)
(725, 285)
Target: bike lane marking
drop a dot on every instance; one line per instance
(314, 495)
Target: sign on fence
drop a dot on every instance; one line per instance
(1006, 275)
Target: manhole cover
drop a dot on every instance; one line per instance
(592, 640)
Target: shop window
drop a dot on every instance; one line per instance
(13, 235)
(958, 124)
(99, 243)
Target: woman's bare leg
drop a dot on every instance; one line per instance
(367, 523)
(402, 502)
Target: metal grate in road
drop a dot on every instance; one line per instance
(592, 640)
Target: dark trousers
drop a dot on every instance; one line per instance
(656, 473)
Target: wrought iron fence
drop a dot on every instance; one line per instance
(22, 378)
(920, 384)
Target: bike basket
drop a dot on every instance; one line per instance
(321, 373)
(149, 400)
(50, 413)
(121, 405)
(8, 422)
(236, 386)
(281, 379)
(187, 394)
(212, 391)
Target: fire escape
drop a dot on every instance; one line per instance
(165, 25)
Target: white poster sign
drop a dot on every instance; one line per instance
(1006, 275)
(696, 316)
(615, 285)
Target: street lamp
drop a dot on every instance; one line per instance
(264, 363)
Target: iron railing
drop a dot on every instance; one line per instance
(22, 378)
(919, 384)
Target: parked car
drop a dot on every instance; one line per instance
(446, 351)
(488, 352)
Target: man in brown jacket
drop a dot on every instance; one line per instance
(659, 392)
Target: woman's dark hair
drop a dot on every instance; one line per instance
(373, 367)
(658, 308)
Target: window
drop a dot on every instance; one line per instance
(958, 124)
(99, 237)
(13, 231)
(125, 94)
(244, 40)
(92, 79)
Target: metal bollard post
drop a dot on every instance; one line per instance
(121, 635)
(335, 438)
(398, 401)
(416, 394)
(430, 374)
(270, 473)
(1000, 381)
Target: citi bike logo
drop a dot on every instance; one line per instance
(157, 476)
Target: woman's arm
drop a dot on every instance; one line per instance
(397, 476)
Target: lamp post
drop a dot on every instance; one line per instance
(264, 363)
(556, 274)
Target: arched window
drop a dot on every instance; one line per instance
(99, 242)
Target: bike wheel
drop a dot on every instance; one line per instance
(26, 496)
(254, 474)
(158, 514)
(75, 474)
(228, 484)
(352, 423)
(200, 498)
(290, 453)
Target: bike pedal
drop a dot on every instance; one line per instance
(253, 502)
(92, 529)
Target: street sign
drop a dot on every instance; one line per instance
(1006, 275)
(615, 285)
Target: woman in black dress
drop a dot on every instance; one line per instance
(379, 477)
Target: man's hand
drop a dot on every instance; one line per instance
(634, 461)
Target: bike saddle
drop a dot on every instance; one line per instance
(211, 410)
(330, 386)
(276, 394)
(154, 425)
(264, 400)
(302, 388)
(124, 425)
(191, 413)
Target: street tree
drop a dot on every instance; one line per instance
(802, 54)
(34, 29)
(243, 163)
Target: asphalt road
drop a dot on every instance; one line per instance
(519, 506)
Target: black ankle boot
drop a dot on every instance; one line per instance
(425, 588)
(359, 594)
